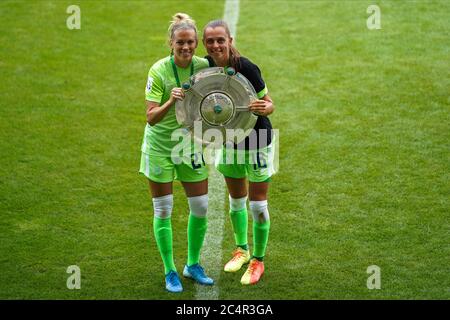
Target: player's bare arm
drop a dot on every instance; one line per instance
(156, 112)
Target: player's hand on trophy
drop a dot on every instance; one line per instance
(261, 107)
(176, 94)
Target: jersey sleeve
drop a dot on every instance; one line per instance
(253, 74)
(154, 90)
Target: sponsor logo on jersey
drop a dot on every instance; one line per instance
(148, 88)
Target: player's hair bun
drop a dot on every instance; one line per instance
(181, 21)
(182, 17)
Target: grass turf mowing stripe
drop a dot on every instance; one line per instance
(213, 239)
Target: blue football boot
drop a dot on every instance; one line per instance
(197, 273)
(173, 283)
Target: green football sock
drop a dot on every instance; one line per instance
(260, 237)
(196, 234)
(239, 220)
(162, 229)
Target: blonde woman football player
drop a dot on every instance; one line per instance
(162, 91)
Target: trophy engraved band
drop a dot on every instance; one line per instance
(219, 99)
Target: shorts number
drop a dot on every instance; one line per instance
(260, 162)
(194, 160)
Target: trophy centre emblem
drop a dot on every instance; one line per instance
(217, 109)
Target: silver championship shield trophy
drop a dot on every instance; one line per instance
(217, 98)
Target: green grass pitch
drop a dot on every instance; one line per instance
(364, 149)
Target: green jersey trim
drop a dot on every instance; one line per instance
(262, 93)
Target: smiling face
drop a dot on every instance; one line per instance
(184, 42)
(218, 44)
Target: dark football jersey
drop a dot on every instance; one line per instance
(262, 136)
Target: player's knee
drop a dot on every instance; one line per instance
(162, 206)
(199, 205)
(260, 211)
(238, 204)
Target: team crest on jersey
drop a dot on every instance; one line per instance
(149, 84)
(157, 170)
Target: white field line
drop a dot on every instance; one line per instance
(231, 15)
(211, 257)
(212, 249)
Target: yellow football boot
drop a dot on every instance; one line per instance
(240, 257)
(254, 272)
